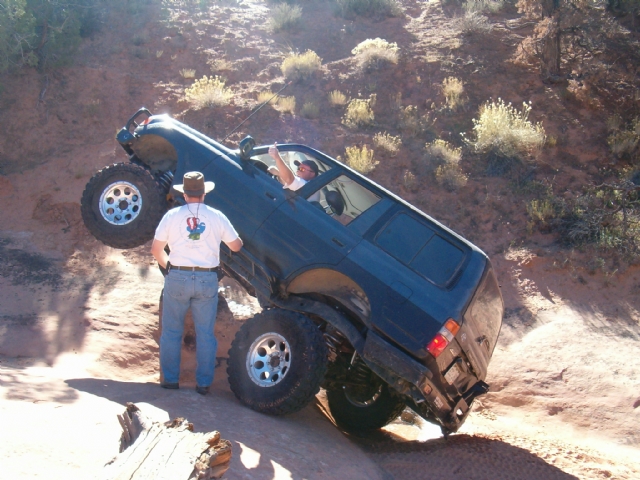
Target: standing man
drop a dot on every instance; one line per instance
(193, 232)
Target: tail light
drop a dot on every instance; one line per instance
(443, 338)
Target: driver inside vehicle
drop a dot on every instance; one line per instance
(306, 170)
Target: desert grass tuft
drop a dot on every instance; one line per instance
(267, 97)
(285, 17)
(287, 104)
(299, 67)
(374, 53)
(369, 8)
(453, 91)
(359, 113)
(337, 98)
(409, 180)
(187, 73)
(310, 110)
(208, 92)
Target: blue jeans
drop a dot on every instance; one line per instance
(198, 290)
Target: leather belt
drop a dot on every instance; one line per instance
(195, 269)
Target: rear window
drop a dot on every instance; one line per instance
(420, 248)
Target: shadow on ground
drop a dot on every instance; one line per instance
(307, 445)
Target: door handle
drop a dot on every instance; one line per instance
(270, 195)
(337, 242)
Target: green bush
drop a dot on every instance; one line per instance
(45, 32)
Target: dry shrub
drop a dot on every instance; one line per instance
(359, 113)
(300, 67)
(373, 53)
(287, 104)
(452, 88)
(188, 73)
(446, 160)
(387, 142)
(208, 92)
(310, 110)
(360, 159)
(337, 98)
(285, 17)
(474, 22)
(506, 134)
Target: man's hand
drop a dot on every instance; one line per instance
(285, 173)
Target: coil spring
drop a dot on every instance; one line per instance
(165, 179)
(333, 344)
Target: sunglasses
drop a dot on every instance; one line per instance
(302, 169)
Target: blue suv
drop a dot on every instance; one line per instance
(363, 294)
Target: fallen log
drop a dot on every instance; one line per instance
(150, 450)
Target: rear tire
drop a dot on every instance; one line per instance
(360, 409)
(122, 205)
(277, 362)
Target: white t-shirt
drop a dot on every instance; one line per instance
(298, 183)
(195, 242)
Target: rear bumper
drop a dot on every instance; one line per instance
(427, 393)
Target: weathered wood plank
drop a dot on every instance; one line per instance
(171, 451)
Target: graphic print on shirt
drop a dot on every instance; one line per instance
(195, 228)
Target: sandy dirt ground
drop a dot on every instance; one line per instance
(78, 319)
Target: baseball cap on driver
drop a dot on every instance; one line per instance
(309, 163)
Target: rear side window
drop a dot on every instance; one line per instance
(419, 247)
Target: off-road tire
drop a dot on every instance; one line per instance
(357, 417)
(292, 389)
(137, 227)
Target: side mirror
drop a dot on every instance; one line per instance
(246, 146)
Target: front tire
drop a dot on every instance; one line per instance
(122, 205)
(277, 362)
(365, 407)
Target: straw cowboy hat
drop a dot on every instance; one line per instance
(193, 184)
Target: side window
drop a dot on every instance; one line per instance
(419, 247)
(344, 199)
(267, 164)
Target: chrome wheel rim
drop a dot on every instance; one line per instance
(120, 203)
(268, 359)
